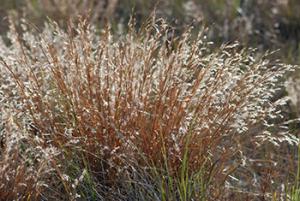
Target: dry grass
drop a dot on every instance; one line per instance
(142, 116)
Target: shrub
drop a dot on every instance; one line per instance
(140, 116)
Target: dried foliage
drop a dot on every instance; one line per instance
(141, 116)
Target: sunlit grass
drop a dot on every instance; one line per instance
(141, 116)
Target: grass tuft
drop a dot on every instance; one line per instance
(140, 116)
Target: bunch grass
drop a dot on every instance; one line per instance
(141, 116)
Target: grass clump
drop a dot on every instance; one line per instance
(138, 117)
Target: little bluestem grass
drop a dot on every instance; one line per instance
(138, 116)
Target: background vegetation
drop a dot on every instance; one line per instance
(109, 107)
